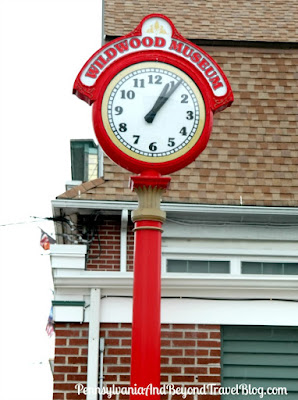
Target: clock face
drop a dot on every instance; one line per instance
(153, 112)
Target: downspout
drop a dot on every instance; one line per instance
(101, 377)
(123, 240)
(93, 344)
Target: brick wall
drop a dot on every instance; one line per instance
(104, 252)
(70, 363)
(190, 356)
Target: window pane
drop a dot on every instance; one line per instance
(251, 267)
(291, 269)
(198, 267)
(272, 268)
(219, 267)
(176, 266)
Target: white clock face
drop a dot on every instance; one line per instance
(153, 111)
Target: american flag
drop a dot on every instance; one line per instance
(50, 325)
(46, 240)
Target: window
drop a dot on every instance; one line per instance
(269, 268)
(198, 266)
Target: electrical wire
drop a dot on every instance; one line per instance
(210, 298)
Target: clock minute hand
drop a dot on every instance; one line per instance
(163, 97)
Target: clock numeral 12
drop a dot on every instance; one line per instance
(157, 79)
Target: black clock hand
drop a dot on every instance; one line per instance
(163, 97)
(157, 105)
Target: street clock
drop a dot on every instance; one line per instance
(154, 95)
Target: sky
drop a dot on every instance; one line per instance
(44, 44)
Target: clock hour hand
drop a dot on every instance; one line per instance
(163, 97)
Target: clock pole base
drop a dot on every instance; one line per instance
(145, 347)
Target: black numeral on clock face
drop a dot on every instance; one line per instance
(152, 146)
(118, 110)
(157, 79)
(183, 131)
(122, 127)
(130, 94)
(171, 142)
(189, 115)
(184, 98)
(139, 83)
(136, 137)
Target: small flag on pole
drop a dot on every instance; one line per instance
(50, 325)
(46, 240)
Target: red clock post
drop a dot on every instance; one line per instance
(154, 94)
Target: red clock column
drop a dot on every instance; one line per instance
(148, 220)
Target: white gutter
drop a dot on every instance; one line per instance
(66, 278)
(176, 207)
(123, 240)
(93, 344)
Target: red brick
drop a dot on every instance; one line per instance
(67, 350)
(209, 378)
(214, 335)
(64, 386)
(58, 396)
(65, 368)
(118, 369)
(59, 377)
(196, 352)
(75, 396)
(209, 360)
(78, 378)
(170, 370)
(78, 342)
(183, 361)
(59, 360)
(119, 333)
(184, 343)
(112, 342)
(215, 352)
(195, 370)
(171, 334)
(110, 360)
(171, 352)
(213, 327)
(77, 360)
(215, 371)
(126, 342)
(60, 342)
(119, 351)
(182, 378)
(208, 343)
(125, 360)
(110, 378)
(184, 326)
(196, 335)
(67, 333)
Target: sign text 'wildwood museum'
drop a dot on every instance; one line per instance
(123, 47)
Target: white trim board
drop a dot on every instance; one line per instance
(222, 312)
